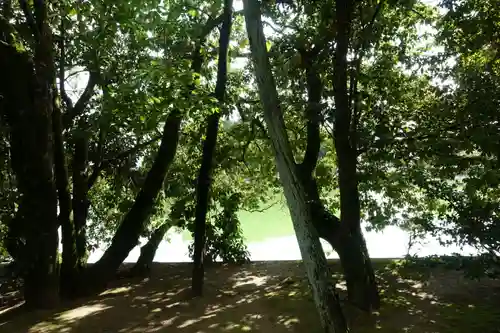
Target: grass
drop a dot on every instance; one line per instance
(273, 222)
(255, 298)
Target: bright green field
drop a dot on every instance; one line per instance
(258, 226)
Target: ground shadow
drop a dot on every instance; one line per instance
(270, 297)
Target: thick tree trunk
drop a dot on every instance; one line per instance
(358, 271)
(352, 247)
(127, 235)
(319, 276)
(148, 250)
(69, 271)
(204, 181)
(362, 289)
(27, 104)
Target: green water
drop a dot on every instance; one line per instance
(258, 226)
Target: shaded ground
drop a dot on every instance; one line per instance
(270, 297)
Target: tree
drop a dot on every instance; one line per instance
(438, 146)
(325, 297)
(204, 177)
(129, 230)
(27, 106)
(357, 267)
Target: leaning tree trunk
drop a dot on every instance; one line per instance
(325, 297)
(127, 235)
(352, 246)
(148, 250)
(26, 90)
(204, 181)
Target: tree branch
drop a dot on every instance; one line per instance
(40, 8)
(62, 63)
(261, 210)
(82, 102)
(210, 25)
(354, 101)
(30, 19)
(386, 143)
(313, 114)
(107, 162)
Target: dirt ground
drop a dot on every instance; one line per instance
(269, 297)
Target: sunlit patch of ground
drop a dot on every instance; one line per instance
(270, 297)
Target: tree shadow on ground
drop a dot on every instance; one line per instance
(269, 297)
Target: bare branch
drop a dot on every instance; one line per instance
(261, 210)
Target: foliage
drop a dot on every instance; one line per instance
(476, 267)
(224, 238)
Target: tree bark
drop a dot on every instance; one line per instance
(69, 272)
(26, 103)
(325, 297)
(204, 181)
(352, 245)
(80, 198)
(148, 250)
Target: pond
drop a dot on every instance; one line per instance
(270, 236)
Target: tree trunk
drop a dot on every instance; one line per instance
(148, 251)
(69, 271)
(127, 235)
(358, 271)
(352, 246)
(204, 181)
(353, 254)
(80, 199)
(27, 105)
(325, 296)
